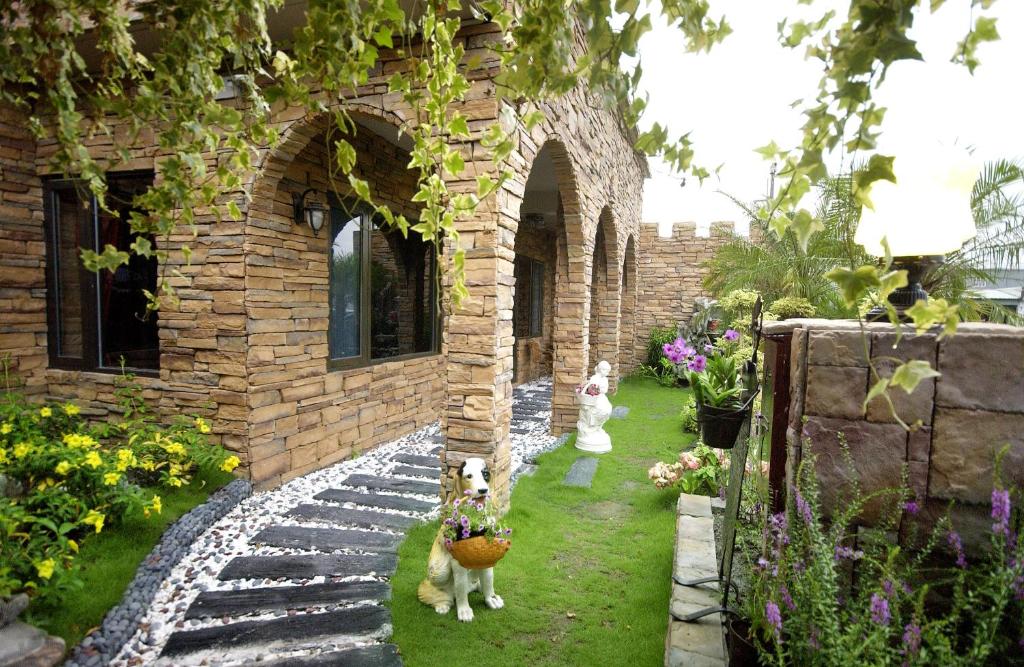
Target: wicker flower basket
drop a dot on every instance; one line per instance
(477, 553)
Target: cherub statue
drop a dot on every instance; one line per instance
(595, 409)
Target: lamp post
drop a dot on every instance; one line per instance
(925, 215)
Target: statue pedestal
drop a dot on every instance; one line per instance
(590, 434)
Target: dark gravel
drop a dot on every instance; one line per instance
(121, 622)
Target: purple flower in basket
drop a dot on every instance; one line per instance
(731, 335)
(448, 542)
(465, 533)
(880, 609)
(697, 364)
(464, 521)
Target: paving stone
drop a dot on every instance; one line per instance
(581, 472)
(307, 566)
(249, 600)
(436, 451)
(349, 517)
(378, 655)
(416, 471)
(396, 485)
(327, 539)
(620, 411)
(376, 500)
(287, 629)
(417, 460)
(528, 469)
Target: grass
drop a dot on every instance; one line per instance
(587, 580)
(107, 562)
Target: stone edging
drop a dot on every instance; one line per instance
(121, 622)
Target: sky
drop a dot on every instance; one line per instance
(738, 98)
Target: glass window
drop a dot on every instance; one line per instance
(528, 311)
(382, 302)
(96, 320)
(345, 283)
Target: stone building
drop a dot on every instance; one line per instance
(304, 349)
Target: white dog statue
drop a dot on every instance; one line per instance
(447, 581)
(595, 409)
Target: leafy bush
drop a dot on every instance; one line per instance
(701, 471)
(689, 417)
(659, 337)
(824, 594)
(739, 307)
(64, 479)
(791, 306)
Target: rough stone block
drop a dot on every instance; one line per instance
(836, 391)
(919, 444)
(836, 348)
(982, 372)
(964, 448)
(914, 407)
(877, 453)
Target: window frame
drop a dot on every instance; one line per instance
(534, 296)
(364, 359)
(89, 296)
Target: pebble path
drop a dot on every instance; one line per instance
(295, 577)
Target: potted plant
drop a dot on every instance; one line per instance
(717, 390)
(472, 533)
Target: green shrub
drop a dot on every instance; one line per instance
(738, 306)
(655, 344)
(64, 479)
(791, 306)
(689, 416)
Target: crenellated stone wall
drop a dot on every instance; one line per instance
(960, 420)
(671, 276)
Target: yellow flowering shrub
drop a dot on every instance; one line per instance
(67, 479)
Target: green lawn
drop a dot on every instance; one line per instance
(587, 580)
(108, 561)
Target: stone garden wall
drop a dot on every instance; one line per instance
(671, 276)
(961, 419)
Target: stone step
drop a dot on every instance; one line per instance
(252, 600)
(377, 655)
(327, 539)
(376, 500)
(395, 485)
(417, 460)
(416, 471)
(297, 630)
(346, 517)
(306, 566)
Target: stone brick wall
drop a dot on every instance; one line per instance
(22, 257)
(671, 276)
(962, 418)
(534, 354)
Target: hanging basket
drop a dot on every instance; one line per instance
(719, 427)
(478, 553)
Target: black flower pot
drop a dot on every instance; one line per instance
(741, 646)
(719, 427)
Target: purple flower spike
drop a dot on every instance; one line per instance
(804, 508)
(911, 638)
(1001, 511)
(880, 609)
(955, 543)
(731, 335)
(911, 507)
(787, 599)
(774, 617)
(698, 364)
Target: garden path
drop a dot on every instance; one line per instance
(297, 576)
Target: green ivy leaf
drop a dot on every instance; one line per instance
(910, 374)
(876, 390)
(930, 312)
(854, 283)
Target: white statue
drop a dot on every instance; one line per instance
(595, 409)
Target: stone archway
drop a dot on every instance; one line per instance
(627, 324)
(603, 323)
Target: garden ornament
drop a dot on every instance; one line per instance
(595, 409)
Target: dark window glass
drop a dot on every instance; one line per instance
(401, 294)
(528, 311)
(536, 299)
(96, 320)
(345, 284)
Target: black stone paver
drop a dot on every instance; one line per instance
(391, 484)
(378, 655)
(327, 539)
(376, 500)
(344, 516)
(416, 471)
(307, 566)
(581, 472)
(417, 460)
(222, 638)
(246, 601)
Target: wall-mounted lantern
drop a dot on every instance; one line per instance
(310, 211)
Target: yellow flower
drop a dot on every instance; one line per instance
(111, 478)
(87, 441)
(45, 412)
(175, 449)
(174, 481)
(125, 459)
(93, 460)
(45, 568)
(6, 428)
(156, 505)
(230, 463)
(3, 455)
(71, 409)
(148, 466)
(72, 440)
(202, 425)
(94, 518)
(21, 449)
(73, 545)
(63, 468)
